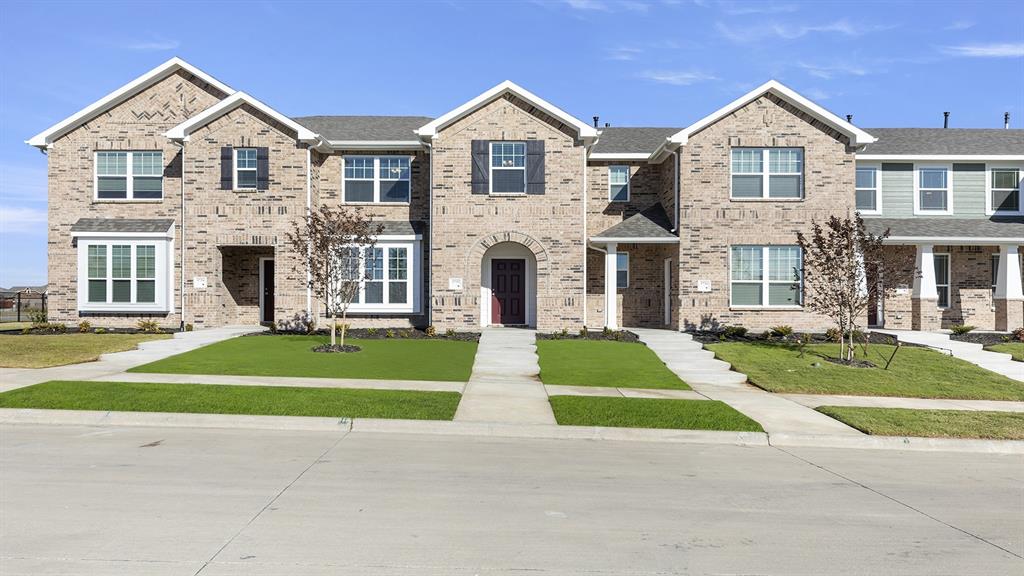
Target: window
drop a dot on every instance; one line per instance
(376, 179)
(995, 276)
(933, 190)
(618, 183)
(942, 279)
(122, 275)
(622, 270)
(867, 190)
(781, 286)
(245, 169)
(129, 175)
(1005, 190)
(783, 178)
(384, 274)
(508, 168)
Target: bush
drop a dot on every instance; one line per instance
(405, 333)
(583, 332)
(961, 328)
(26, 330)
(606, 332)
(389, 333)
(150, 326)
(449, 333)
(1018, 335)
(431, 332)
(101, 330)
(37, 318)
(189, 327)
(833, 335)
(84, 326)
(734, 332)
(782, 331)
(565, 332)
(371, 331)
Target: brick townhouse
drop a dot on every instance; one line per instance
(171, 198)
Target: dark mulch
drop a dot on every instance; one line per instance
(855, 363)
(336, 348)
(51, 331)
(983, 338)
(714, 336)
(381, 334)
(613, 335)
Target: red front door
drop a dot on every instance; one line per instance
(508, 297)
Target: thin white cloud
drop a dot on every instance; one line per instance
(677, 77)
(624, 53)
(761, 31)
(817, 94)
(158, 45)
(960, 25)
(607, 5)
(22, 183)
(996, 50)
(21, 220)
(829, 71)
(745, 8)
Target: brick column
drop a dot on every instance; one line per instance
(924, 303)
(1008, 297)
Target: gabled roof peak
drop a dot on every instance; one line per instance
(182, 131)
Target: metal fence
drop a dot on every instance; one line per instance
(22, 306)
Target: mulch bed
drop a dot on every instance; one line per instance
(337, 348)
(714, 336)
(983, 338)
(613, 336)
(75, 330)
(380, 334)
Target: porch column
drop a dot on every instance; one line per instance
(924, 307)
(611, 300)
(1008, 297)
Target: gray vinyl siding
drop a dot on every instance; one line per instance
(969, 190)
(967, 183)
(897, 182)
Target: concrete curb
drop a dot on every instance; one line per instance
(171, 419)
(898, 443)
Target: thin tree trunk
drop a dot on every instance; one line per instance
(334, 324)
(344, 324)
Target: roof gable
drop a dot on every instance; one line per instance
(46, 137)
(857, 136)
(182, 131)
(583, 130)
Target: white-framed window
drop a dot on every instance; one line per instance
(773, 173)
(932, 192)
(245, 169)
(618, 183)
(386, 273)
(135, 175)
(376, 179)
(124, 275)
(622, 270)
(766, 276)
(868, 198)
(508, 168)
(942, 279)
(995, 277)
(1004, 191)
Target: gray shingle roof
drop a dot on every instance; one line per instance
(403, 227)
(122, 225)
(374, 128)
(945, 141)
(652, 222)
(994, 227)
(631, 140)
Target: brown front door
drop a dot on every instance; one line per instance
(267, 277)
(508, 297)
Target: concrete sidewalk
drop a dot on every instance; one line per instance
(505, 384)
(815, 400)
(301, 382)
(968, 351)
(713, 378)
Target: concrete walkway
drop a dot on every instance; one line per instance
(815, 400)
(714, 379)
(505, 385)
(564, 390)
(114, 363)
(968, 351)
(297, 382)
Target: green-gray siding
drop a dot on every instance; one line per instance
(897, 190)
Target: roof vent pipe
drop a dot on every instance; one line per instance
(945, 119)
(596, 120)
(849, 118)
(1006, 120)
(607, 124)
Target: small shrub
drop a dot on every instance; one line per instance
(389, 333)
(565, 332)
(104, 330)
(782, 331)
(1017, 335)
(26, 330)
(859, 336)
(449, 333)
(84, 326)
(37, 318)
(405, 333)
(189, 327)
(56, 327)
(371, 331)
(833, 335)
(431, 332)
(734, 332)
(583, 332)
(606, 332)
(961, 328)
(273, 327)
(618, 336)
(149, 326)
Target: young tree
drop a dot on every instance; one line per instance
(335, 242)
(842, 270)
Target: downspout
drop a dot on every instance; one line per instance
(675, 207)
(181, 280)
(309, 208)
(429, 296)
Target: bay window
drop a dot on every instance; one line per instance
(750, 284)
(124, 275)
(376, 179)
(767, 173)
(136, 175)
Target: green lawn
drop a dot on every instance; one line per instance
(649, 413)
(930, 423)
(604, 363)
(391, 359)
(41, 351)
(915, 372)
(13, 326)
(1015, 349)
(218, 399)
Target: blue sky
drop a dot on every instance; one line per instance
(633, 62)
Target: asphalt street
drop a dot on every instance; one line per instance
(178, 501)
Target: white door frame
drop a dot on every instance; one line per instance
(667, 281)
(262, 280)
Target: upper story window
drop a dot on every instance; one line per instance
(933, 190)
(868, 199)
(129, 175)
(781, 286)
(384, 179)
(1004, 193)
(618, 183)
(767, 173)
(508, 168)
(245, 169)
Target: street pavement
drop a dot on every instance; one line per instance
(186, 501)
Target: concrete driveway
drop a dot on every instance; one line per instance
(172, 501)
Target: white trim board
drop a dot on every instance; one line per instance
(966, 158)
(183, 130)
(46, 137)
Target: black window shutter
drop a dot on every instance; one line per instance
(262, 168)
(481, 158)
(227, 178)
(534, 166)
